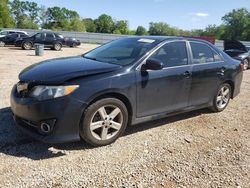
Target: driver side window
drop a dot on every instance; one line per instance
(172, 54)
(38, 36)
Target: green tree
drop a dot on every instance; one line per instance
(141, 31)
(122, 27)
(237, 24)
(160, 28)
(214, 31)
(90, 25)
(25, 14)
(76, 24)
(63, 19)
(105, 24)
(43, 16)
(5, 17)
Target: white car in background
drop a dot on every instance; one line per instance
(7, 32)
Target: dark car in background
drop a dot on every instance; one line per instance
(11, 38)
(48, 39)
(238, 51)
(71, 42)
(125, 82)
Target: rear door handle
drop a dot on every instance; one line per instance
(187, 74)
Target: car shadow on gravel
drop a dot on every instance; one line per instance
(14, 143)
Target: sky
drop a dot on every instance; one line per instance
(184, 14)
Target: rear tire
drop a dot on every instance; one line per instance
(57, 46)
(222, 98)
(104, 122)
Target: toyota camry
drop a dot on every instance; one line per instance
(94, 97)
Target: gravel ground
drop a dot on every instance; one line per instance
(197, 149)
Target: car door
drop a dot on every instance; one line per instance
(8, 39)
(49, 39)
(165, 90)
(39, 38)
(207, 73)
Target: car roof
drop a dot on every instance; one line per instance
(165, 38)
(17, 31)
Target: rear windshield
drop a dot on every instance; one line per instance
(122, 51)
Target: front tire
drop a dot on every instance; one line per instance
(27, 46)
(2, 44)
(222, 98)
(104, 122)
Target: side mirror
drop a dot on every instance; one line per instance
(152, 64)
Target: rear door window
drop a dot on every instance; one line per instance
(49, 36)
(202, 53)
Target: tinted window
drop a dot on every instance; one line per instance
(38, 36)
(49, 35)
(123, 51)
(23, 35)
(172, 54)
(13, 35)
(203, 53)
(4, 33)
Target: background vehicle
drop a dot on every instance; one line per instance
(238, 51)
(127, 81)
(71, 42)
(7, 32)
(11, 38)
(49, 39)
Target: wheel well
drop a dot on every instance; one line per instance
(119, 96)
(232, 86)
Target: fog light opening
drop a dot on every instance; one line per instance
(45, 128)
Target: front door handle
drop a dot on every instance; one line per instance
(187, 74)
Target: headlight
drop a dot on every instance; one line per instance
(51, 92)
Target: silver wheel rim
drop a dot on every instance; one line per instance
(2, 43)
(245, 64)
(106, 122)
(223, 97)
(57, 46)
(27, 45)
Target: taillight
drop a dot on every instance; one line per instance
(242, 66)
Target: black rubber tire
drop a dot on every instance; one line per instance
(57, 49)
(73, 45)
(85, 132)
(25, 48)
(215, 108)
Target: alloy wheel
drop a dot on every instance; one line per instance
(223, 97)
(246, 64)
(57, 47)
(2, 44)
(106, 122)
(27, 46)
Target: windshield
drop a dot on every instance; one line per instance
(248, 48)
(122, 51)
(3, 33)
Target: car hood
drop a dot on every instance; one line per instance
(234, 44)
(60, 70)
